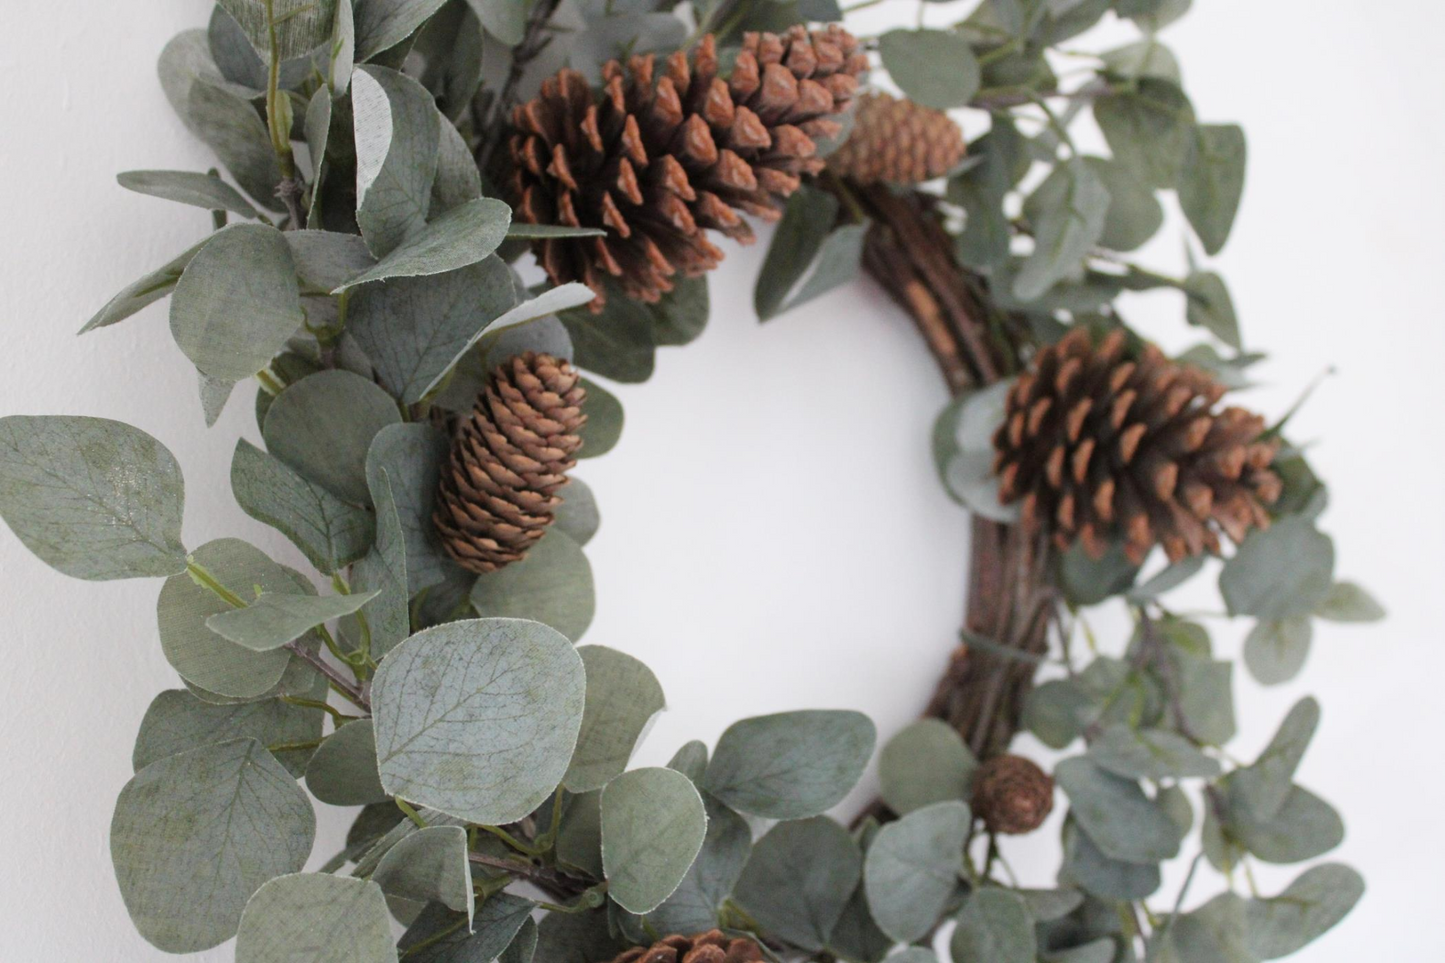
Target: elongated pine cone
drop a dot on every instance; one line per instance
(1012, 795)
(509, 457)
(709, 947)
(897, 142)
(1097, 446)
(657, 160)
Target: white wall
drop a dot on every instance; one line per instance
(773, 537)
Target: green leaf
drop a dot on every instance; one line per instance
(1282, 572)
(1148, 129)
(1262, 787)
(963, 450)
(429, 865)
(577, 517)
(1304, 826)
(1135, 215)
(215, 393)
(936, 68)
(397, 135)
(499, 923)
(410, 455)
(1167, 579)
(237, 302)
(1088, 868)
(808, 256)
(576, 938)
(479, 718)
(623, 696)
(693, 907)
(341, 59)
(799, 878)
(325, 259)
(1318, 899)
(143, 292)
(1275, 651)
(912, 869)
(1214, 933)
(1143, 58)
(273, 620)
(388, 615)
(463, 235)
(316, 917)
(616, 342)
(1150, 754)
(225, 816)
(1211, 182)
(994, 926)
(1068, 226)
(228, 122)
(177, 722)
(1348, 602)
(522, 231)
(1208, 305)
(925, 763)
(1089, 581)
(1046, 905)
(653, 826)
(186, 187)
(579, 838)
(1123, 822)
(790, 765)
(604, 421)
(458, 182)
(980, 191)
(293, 27)
(343, 771)
(504, 19)
(690, 760)
(323, 427)
(552, 584)
(381, 24)
(1206, 698)
(93, 498)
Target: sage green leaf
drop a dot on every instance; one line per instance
(93, 498)
(430, 865)
(240, 62)
(1211, 181)
(837, 262)
(1046, 905)
(215, 393)
(690, 760)
(1135, 215)
(1150, 754)
(936, 68)
(857, 938)
(604, 421)
(292, 27)
(911, 871)
(218, 820)
(177, 722)
(552, 584)
(1282, 572)
(381, 24)
(397, 132)
(523, 945)
(579, 838)
(1304, 826)
(790, 765)
(913, 954)
(329, 532)
(499, 922)
(807, 256)
(577, 516)
(653, 825)
(298, 679)
(576, 938)
(325, 259)
(316, 918)
(1308, 908)
(143, 292)
(1088, 868)
(616, 342)
(504, 19)
(1175, 802)
(522, 231)
(994, 926)
(343, 771)
(1214, 933)
(463, 235)
(963, 450)
(186, 59)
(1206, 698)
(478, 719)
(1167, 579)
(414, 329)
(623, 696)
(1208, 305)
(1153, 15)
(1148, 129)
(799, 879)
(1348, 602)
(1101, 950)
(410, 455)
(1089, 581)
(925, 763)
(680, 317)
(323, 426)
(1275, 651)
(186, 187)
(383, 571)
(273, 620)
(237, 302)
(1066, 229)
(458, 181)
(317, 126)
(341, 56)
(231, 127)
(1143, 58)
(694, 906)
(1119, 818)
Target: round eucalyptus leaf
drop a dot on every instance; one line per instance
(1306, 910)
(695, 905)
(994, 926)
(578, 517)
(1275, 651)
(287, 28)
(1349, 602)
(799, 879)
(653, 825)
(1304, 826)
(94, 498)
(690, 760)
(178, 721)
(398, 133)
(1088, 868)
(912, 869)
(225, 818)
(1116, 814)
(316, 918)
(463, 235)
(1150, 754)
(410, 456)
(428, 865)
(936, 68)
(273, 620)
(623, 696)
(1262, 787)
(343, 772)
(604, 421)
(323, 426)
(925, 763)
(499, 922)
(478, 719)
(790, 765)
(552, 584)
(1211, 182)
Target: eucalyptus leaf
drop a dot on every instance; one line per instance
(499, 922)
(935, 68)
(1211, 182)
(430, 865)
(1214, 933)
(1348, 602)
(552, 584)
(397, 134)
(343, 771)
(1135, 215)
(1275, 651)
(963, 450)
(1282, 572)
(143, 292)
(1086, 866)
(1304, 826)
(1150, 754)
(323, 427)
(273, 620)
(616, 342)
(1206, 698)
(463, 235)
(604, 421)
(576, 938)
(410, 455)
(381, 24)
(504, 19)
(693, 907)
(1209, 306)
(1308, 908)
(1066, 229)
(1142, 58)
(1118, 817)
(994, 926)
(316, 917)
(1149, 129)
(790, 765)
(623, 697)
(577, 517)
(229, 124)
(325, 259)
(1263, 786)
(912, 869)
(799, 879)
(458, 182)
(383, 570)
(178, 721)
(285, 28)
(186, 187)
(925, 763)
(653, 825)
(807, 255)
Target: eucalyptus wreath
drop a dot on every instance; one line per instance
(391, 163)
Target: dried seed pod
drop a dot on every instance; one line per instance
(1012, 795)
(710, 947)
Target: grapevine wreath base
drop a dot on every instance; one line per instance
(422, 409)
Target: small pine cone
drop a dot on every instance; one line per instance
(898, 142)
(1012, 795)
(657, 160)
(709, 947)
(509, 457)
(1097, 446)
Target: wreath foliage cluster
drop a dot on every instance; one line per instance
(390, 163)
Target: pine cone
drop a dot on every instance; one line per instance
(508, 458)
(1098, 446)
(899, 142)
(1012, 795)
(658, 160)
(709, 947)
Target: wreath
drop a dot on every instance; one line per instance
(421, 397)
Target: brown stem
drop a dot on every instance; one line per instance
(548, 880)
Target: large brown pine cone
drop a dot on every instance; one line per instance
(1096, 445)
(1012, 795)
(656, 160)
(709, 947)
(898, 142)
(509, 456)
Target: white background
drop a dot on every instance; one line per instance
(773, 535)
